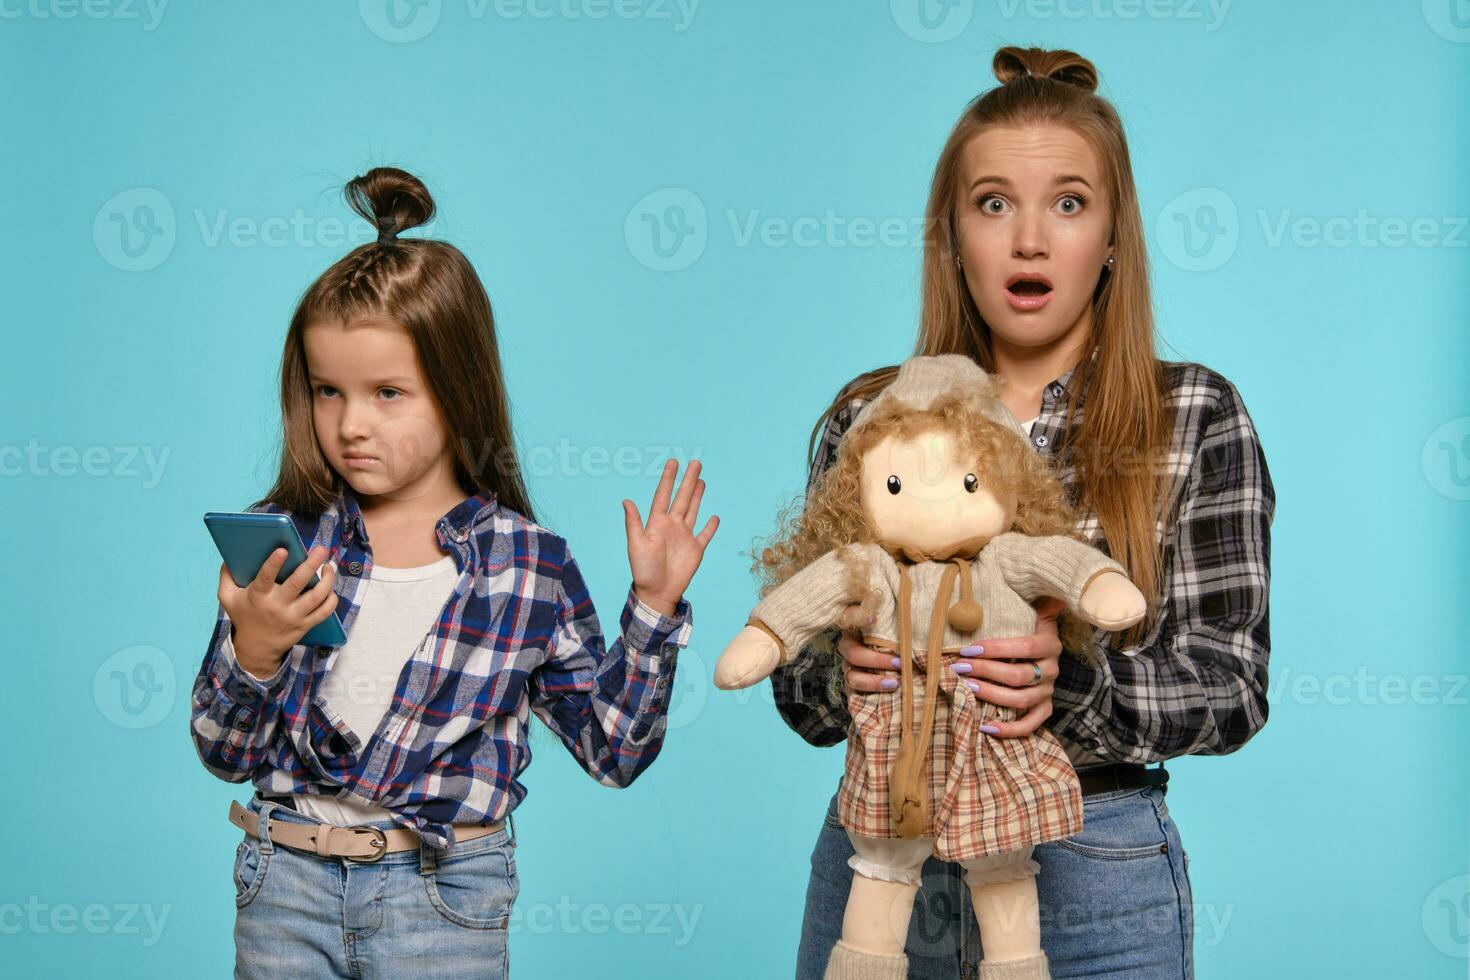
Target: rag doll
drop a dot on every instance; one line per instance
(936, 527)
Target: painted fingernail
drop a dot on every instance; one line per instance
(974, 686)
(888, 683)
(895, 663)
(973, 650)
(961, 667)
(990, 729)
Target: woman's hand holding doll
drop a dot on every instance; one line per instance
(665, 552)
(988, 670)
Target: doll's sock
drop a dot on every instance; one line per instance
(850, 963)
(1031, 968)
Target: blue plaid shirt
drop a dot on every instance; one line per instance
(518, 635)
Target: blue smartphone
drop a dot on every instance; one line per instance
(245, 541)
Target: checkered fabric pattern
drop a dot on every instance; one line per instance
(1197, 684)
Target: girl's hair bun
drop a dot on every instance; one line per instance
(391, 200)
(1059, 66)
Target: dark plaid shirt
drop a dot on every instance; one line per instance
(1197, 683)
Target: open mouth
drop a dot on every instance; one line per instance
(1028, 286)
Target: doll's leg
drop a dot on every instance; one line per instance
(1003, 887)
(876, 922)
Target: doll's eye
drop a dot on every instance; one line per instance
(971, 483)
(894, 484)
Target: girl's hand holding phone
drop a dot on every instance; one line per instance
(665, 552)
(270, 619)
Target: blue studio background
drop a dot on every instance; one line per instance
(695, 222)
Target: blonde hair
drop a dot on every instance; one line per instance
(831, 514)
(1126, 414)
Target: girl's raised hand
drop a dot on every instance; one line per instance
(665, 552)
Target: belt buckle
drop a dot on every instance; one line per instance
(380, 844)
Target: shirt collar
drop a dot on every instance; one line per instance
(1065, 377)
(456, 525)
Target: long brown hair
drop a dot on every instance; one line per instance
(430, 288)
(1124, 381)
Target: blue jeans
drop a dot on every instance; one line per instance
(1114, 899)
(411, 913)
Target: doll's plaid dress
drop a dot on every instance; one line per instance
(988, 795)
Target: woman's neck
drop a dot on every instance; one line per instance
(1025, 371)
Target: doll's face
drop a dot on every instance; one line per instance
(920, 494)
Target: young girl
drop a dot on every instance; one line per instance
(385, 769)
(1036, 269)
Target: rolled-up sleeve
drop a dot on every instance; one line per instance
(609, 707)
(235, 715)
(1199, 686)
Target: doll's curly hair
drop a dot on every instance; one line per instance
(830, 515)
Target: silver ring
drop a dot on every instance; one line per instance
(1035, 674)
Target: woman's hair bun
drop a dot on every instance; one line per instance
(391, 200)
(1060, 66)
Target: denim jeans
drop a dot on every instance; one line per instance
(411, 913)
(1114, 899)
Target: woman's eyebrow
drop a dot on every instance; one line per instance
(1005, 182)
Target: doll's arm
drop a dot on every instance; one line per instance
(1093, 586)
(788, 617)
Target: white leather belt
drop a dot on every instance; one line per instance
(363, 843)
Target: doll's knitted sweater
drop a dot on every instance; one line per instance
(1009, 573)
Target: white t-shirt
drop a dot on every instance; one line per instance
(1027, 425)
(399, 607)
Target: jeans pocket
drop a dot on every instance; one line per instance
(249, 871)
(1125, 827)
(476, 889)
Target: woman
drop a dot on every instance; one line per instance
(1035, 266)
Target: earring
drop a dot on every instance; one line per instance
(958, 263)
(1110, 263)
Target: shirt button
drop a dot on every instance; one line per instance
(244, 692)
(1092, 743)
(244, 721)
(354, 568)
(1041, 441)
